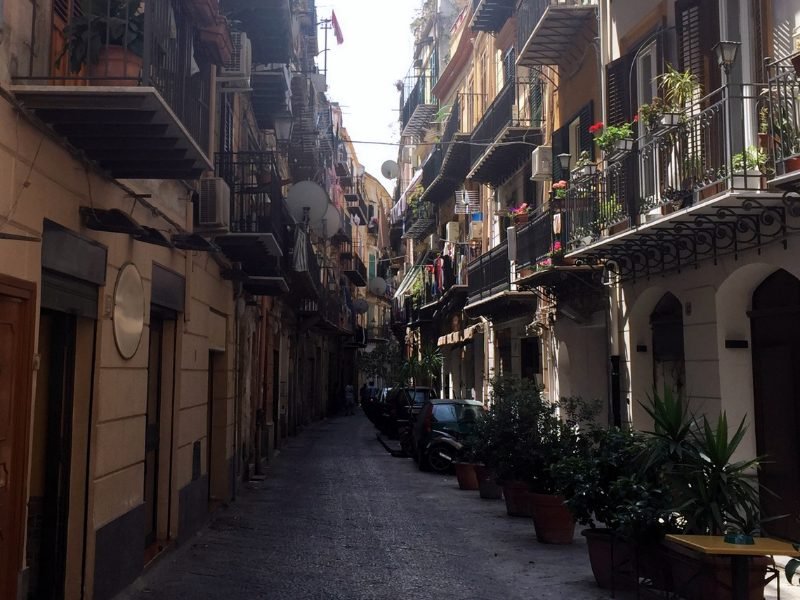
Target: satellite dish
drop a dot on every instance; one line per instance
(390, 170)
(377, 285)
(307, 203)
(360, 306)
(330, 222)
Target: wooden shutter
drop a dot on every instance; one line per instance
(586, 119)
(559, 144)
(618, 92)
(698, 32)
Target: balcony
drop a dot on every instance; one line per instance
(419, 105)
(509, 132)
(271, 92)
(687, 193)
(489, 286)
(445, 282)
(304, 147)
(341, 161)
(257, 232)
(783, 122)
(420, 220)
(354, 196)
(359, 338)
(268, 25)
(138, 112)
(491, 15)
(379, 333)
(327, 313)
(352, 265)
(450, 167)
(305, 272)
(548, 31)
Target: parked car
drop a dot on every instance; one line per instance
(439, 430)
(372, 407)
(400, 406)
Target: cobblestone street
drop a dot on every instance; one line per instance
(338, 517)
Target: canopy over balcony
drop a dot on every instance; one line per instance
(491, 15)
(548, 30)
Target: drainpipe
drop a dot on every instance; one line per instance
(613, 321)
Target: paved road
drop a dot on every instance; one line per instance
(339, 518)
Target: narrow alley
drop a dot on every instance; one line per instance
(339, 517)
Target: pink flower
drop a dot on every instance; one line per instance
(556, 246)
(636, 118)
(560, 185)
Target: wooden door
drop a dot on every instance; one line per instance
(16, 331)
(775, 322)
(153, 429)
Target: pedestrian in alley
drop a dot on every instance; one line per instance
(349, 399)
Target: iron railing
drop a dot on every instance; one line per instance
(353, 262)
(780, 115)
(453, 125)
(530, 13)
(354, 195)
(432, 166)
(256, 202)
(712, 149)
(133, 44)
(489, 274)
(416, 95)
(535, 240)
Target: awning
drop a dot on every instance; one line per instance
(411, 275)
(399, 208)
(462, 336)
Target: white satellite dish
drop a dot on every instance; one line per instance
(377, 285)
(307, 202)
(360, 306)
(330, 222)
(390, 170)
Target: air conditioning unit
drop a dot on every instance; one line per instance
(542, 163)
(214, 206)
(476, 230)
(238, 68)
(452, 231)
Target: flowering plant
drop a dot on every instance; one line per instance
(556, 249)
(519, 210)
(560, 189)
(607, 136)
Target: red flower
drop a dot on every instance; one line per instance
(636, 118)
(596, 127)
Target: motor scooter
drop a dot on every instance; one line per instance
(442, 450)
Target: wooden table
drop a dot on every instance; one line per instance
(740, 555)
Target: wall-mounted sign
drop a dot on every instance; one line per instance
(128, 313)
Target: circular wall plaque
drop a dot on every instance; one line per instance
(128, 310)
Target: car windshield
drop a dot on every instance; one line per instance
(456, 413)
(419, 397)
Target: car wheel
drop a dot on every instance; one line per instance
(439, 458)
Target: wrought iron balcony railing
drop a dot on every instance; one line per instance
(491, 15)
(419, 105)
(547, 30)
(780, 118)
(354, 195)
(535, 240)
(709, 152)
(256, 201)
(489, 274)
(419, 220)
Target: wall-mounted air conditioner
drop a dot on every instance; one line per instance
(542, 163)
(476, 230)
(237, 70)
(452, 231)
(214, 205)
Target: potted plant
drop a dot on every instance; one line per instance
(584, 165)
(680, 89)
(519, 213)
(467, 461)
(559, 191)
(747, 168)
(106, 41)
(614, 138)
(651, 114)
(611, 217)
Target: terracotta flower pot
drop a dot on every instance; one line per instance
(116, 66)
(487, 485)
(551, 519)
(518, 499)
(792, 164)
(611, 559)
(465, 474)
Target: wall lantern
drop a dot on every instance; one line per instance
(726, 52)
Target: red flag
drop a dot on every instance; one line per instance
(337, 31)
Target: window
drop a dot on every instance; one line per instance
(646, 77)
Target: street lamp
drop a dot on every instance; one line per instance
(726, 52)
(563, 160)
(283, 127)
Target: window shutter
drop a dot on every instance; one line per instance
(372, 266)
(536, 99)
(698, 33)
(586, 119)
(618, 97)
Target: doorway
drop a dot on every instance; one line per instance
(666, 322)
(17, 300)
(158, 429)
(775, 324)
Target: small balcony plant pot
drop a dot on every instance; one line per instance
(618, 227)
(791, 164)
(465, 474)
(551, 519)
(671, 119)
(624, 145)
(520, 219)
(518, 499)
(488, 487)
(749, 181)
(611, 558)
(116, 66)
